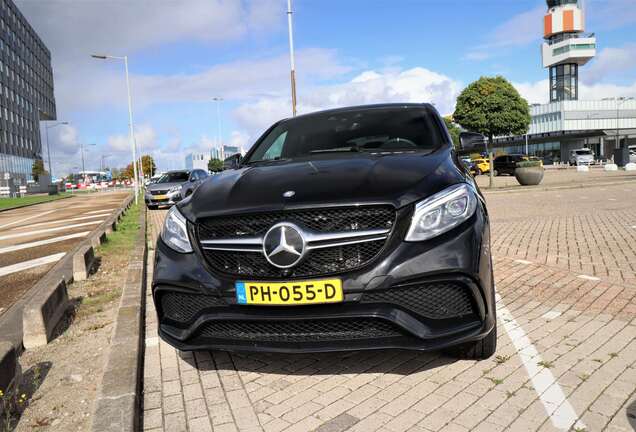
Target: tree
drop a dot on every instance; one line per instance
(215, 165)
(148, 165)
(492, 107)
(453, 130)
(37, 169)
(128, 172)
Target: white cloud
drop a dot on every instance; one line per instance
(519, 30)
(234, 80)
(145, 137)
(534, 92)
(537, 92)
(75, 29)
(610, 62)
(369, 87)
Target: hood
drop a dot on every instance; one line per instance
(163, 186)
(359, 178)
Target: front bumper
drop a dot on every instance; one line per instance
(169, 200)
(197, 308)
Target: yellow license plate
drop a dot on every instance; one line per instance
(160, 197)
(289, 293)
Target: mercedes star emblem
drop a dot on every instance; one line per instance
(289, 194)
(284, 245)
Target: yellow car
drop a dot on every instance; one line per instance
(480, 166)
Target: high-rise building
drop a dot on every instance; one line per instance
(26, 92)
(565, 48)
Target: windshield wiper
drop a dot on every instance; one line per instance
(337, 150)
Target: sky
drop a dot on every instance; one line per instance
(184, 53)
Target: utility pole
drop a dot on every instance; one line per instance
(219, 145)
(83, 167)
(48, 148)
(291, 56)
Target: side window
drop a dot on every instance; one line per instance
(276, 149)
(202, 174)
(193, 176)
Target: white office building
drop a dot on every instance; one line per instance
(197, 161)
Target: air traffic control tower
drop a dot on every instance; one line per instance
(566, 47)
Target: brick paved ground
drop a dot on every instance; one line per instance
(560, 336)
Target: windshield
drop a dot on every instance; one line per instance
(583, 152)
(368, 130)
(174, 177)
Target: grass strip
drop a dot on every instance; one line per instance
(14, 203)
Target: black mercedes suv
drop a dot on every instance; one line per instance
(354, 228)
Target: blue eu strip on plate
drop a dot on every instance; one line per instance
(240, 293)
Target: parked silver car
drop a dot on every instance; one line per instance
(196, 178)
(167, 190)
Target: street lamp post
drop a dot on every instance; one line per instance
(102, 165)
(48, 148)
(218, 101)
(83, 166)
(130, 123)
(291, 56)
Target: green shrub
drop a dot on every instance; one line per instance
(528, 164)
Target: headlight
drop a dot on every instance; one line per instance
(442, 212)
(175, 232)
(174, 189)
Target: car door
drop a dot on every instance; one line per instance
(189, 186)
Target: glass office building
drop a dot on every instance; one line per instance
(26, 92)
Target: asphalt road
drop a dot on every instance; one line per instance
(33, 239)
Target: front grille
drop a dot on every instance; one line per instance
(184, 307)
(320, 220)
(317, 262)
(314, 330)
(158, 192)
(438, 300)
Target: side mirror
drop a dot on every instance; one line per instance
(469, 140)
(232, 162)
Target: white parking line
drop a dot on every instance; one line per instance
(586, 277)
(25, 265)
(42, 231)
(66, 220)
(26, 219)
(42, 242)
(561, 413)
(550, 315)
(520, 261)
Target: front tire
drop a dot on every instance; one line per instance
(479, 350)
(152, 207)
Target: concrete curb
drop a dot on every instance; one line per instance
(45, 311)
(49, 301)
(83, 262)
(118, 401)
(10, 371)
